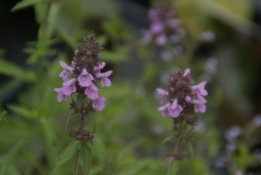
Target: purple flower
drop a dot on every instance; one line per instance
(69, 87)
(73, 63)
(175, 109)
(85, 78)
(92, 92)
(162, 92)
(186, 72)
(200, 89)
(161, 40)
(199, 103)
(63, 75)
(61, 96)
(99, 67)
(162, 26)
(67, 68)
(156, 27)
(180, 92)
(164, 110)
(105, 81)
(84, 73)
(239, 173)
(173, 23)
(98, 103)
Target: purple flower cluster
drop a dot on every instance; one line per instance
(85, 71)
(182, 95)
(163, 27)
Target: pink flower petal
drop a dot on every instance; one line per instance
(106, 82)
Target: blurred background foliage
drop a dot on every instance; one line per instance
(130, 133)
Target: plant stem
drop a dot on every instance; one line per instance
(81, 123)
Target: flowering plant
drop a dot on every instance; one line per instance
(184, 100)
(85, 71)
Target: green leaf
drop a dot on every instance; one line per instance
(167, 140)
(13, 70)
(121, 154)
(8, 87)
(86, 158)
(9, 158)
(40, 10)
(20, 110)
(54, 9)
(96, 170)
(24, 4)
(49, 139)
(99, 149)
(135, 168)
(67, 154)
(33, 57)
(173, 169)
(2, 114)
(118, 55)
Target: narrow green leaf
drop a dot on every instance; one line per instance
(40, 10)
(54, 9)
(121, 154)
(9, 158)
(49, 138)
(67, 154)
(24, 4)
(135, 168)
(20, 110)
(9, 87)
(173, 168)
(167, 140)
(99, 149)
(96, 170)
(118, 55)
(33, 57)
(87, 158)
(16, 71)
(2, 115)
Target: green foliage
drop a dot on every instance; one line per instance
(86, 156)
(135, 168)
(7, 166)
(243, 158)
(173, 168)
(2, 114)
(67, 154)
(12, 70)
(129, 131)
(24, 4)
